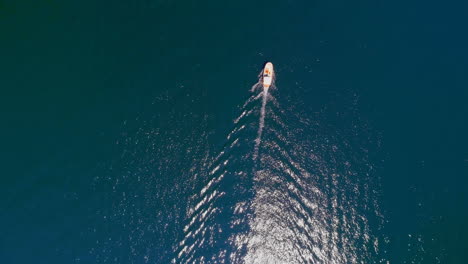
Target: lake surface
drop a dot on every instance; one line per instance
(131, 133)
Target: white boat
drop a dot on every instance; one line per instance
(268, 75)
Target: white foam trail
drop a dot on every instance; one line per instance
(261, 124)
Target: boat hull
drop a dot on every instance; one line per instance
(268, 74)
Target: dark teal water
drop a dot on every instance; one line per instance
(129, 133)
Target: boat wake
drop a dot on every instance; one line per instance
(307, 195)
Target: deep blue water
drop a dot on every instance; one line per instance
(130, 135)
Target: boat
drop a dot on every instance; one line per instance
(268, 75)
